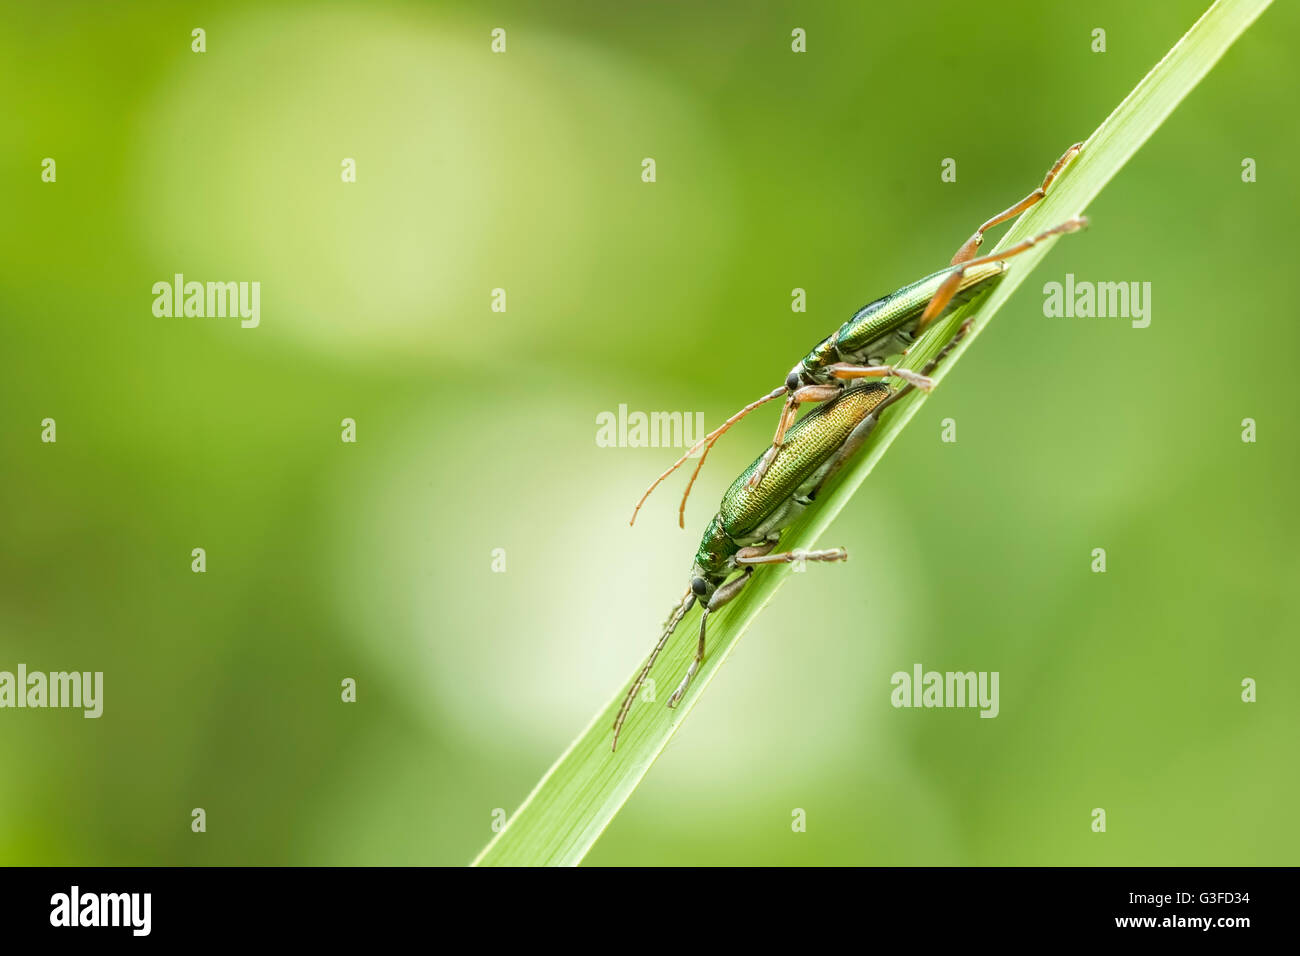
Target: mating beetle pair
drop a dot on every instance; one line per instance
(804, 455)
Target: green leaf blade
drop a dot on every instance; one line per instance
(583, 791)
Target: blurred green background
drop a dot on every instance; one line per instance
(476, 430)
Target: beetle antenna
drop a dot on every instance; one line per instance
(681, 509)
(708, 440)
(674, 619)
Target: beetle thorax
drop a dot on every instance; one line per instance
(812, 367)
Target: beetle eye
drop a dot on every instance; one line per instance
(792, 381)
(699, 586)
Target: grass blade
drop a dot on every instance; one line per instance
(575, 801)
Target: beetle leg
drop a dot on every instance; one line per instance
(755, 550)
(864, 428)
(950, 285)
(798, 554)
(845, 370)
(860, 433)
(722, 596)
(971, 245)
(960, 334)
(746, 557)
(808, 393)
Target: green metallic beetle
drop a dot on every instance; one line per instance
(771, 493)
(886, 327)
(749, 522)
